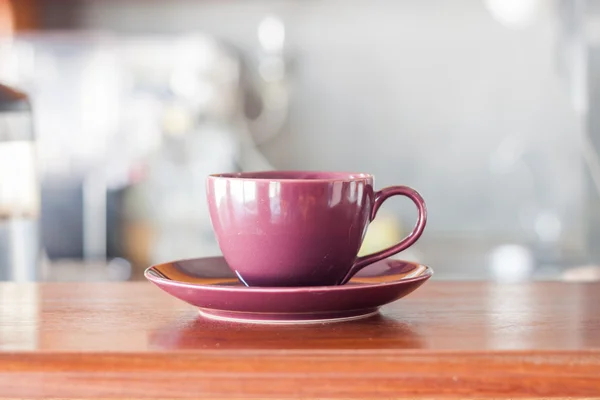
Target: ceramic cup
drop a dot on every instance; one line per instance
(299, 228)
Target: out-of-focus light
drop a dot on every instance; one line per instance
(18, 183)
(196, 60)
(7, 61)
(177, 121)
(513, 13)
(196, 52)
(99, 111)
(186, 83)
(583, 273)
(271, 34)
(119, 269)
(511, 263)
(6, 19)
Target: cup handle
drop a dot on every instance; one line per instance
(408, 241)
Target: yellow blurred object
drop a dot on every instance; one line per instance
(384, 231)
(176, 121)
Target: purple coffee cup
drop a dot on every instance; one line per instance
(300, 228)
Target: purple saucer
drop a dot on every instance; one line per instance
(209, 284)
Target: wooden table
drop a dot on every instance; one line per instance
(124, 340)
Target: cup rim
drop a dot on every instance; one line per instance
(266, 176)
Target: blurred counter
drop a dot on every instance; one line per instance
(451, 259)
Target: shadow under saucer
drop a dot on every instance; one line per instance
(374, 332)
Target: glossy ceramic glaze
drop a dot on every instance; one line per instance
(299, 228)
(209, 284)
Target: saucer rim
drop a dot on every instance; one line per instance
(427, 274)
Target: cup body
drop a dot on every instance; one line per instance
(290, 228)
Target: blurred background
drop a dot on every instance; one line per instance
(113, 112)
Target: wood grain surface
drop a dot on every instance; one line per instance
(448, 339)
